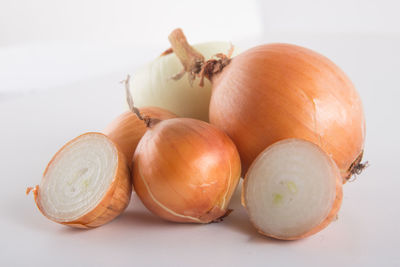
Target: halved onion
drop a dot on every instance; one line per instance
(86, 184)
(292, 190)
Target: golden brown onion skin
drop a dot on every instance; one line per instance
(186, 170)
(278, 91)
(127, 129)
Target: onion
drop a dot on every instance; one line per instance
(152, 85)
(278, 91)
(185, 170)
(292, 190)
(126, 130)
(86, 184)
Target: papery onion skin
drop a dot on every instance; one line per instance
(127, 129)
(153, 84)
(186, 170)
(278, 91)
(113, 203)
(333, 211)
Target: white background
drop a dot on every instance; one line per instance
(60, 64)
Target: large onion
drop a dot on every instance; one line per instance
(278, 91)
(153, 84)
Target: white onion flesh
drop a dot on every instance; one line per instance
(290, 188)
(152, 85)
(78, 177)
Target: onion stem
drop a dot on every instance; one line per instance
(149, 122)
(193, 62)
(191, 59)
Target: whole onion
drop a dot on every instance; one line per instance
(186, 170)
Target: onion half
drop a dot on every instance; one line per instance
(86, 184)
(292, 190)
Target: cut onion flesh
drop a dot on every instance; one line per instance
(86, 184)
(292, 190)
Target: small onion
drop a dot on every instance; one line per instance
(126, 130)
(292, 190)
(278, 91)
(153, 84)
(186, 170)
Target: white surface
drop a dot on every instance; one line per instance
(34, 125)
